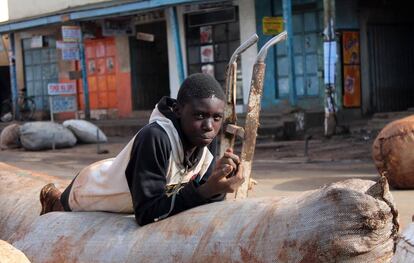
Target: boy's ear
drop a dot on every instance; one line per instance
(177, 109)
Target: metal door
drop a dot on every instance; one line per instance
(40, 68)
(391, 64)
(101, 70)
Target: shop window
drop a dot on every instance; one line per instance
(211, 39)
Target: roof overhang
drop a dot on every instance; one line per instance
(93, 12)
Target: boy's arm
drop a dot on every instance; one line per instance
(146, 176)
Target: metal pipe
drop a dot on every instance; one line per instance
(261, 56)
(245, 45)
(84, 78)
(253, 112)
(226, 139)
(13, 77)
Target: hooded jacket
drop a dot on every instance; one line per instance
(151, 176)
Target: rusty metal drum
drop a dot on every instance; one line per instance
(393, 153)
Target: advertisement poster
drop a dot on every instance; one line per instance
(207, 54)
(206, 34)
(352, 86)
(272, 25)
(350, 44)
(351, 69)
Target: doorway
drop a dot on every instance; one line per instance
(149, 65)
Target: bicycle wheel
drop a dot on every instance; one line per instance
(27, 109)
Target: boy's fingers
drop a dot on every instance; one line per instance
(232, 156)
(224, 171)
(228, 161)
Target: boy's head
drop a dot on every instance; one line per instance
(199, 86)
(200, 108)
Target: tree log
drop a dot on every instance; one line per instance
(349, 221)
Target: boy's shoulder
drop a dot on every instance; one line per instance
(152, 130)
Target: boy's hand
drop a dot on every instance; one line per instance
(219, 182)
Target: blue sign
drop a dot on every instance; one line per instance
(63, 104)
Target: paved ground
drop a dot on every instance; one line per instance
(281, 168)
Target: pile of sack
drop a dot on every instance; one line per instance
(44, 135)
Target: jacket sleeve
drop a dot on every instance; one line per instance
(146, 176)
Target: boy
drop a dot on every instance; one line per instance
(168, 167)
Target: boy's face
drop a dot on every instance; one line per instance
(201, 120)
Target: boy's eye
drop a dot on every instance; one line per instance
(218, 118)
(199, 116)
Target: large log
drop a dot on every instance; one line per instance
(404, 252)
(349, 221)
(393, 153)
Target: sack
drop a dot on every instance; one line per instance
(404, 252)
(349, 221)
(8, 253)
(393, 153)
(45, 135)
(9, 137)
(85, 131)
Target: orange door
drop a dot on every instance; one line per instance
(100, 58)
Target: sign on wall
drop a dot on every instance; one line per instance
(351, 68)
(272, 25)
(71, 34)
(61, 88)
(64, 104)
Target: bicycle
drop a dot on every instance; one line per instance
(26, 105)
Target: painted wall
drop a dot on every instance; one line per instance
(172, 56)
(40, 7)
(4, 10)
(247, 20)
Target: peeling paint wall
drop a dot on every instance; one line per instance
(39, 7)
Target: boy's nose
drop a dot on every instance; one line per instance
(208, 124)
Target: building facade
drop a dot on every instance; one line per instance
(131, 53)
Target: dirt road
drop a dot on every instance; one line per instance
(281, 168)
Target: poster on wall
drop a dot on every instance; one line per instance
(352, 85)
(272, 25)
(71, 34)
(351, 69)
(350, 51)
(208, 69)
(207, 54)
(206, 34)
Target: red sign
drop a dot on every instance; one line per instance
(61, 88)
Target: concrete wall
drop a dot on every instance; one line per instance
(39, 7)
(247, 20)
(4, 10)
(172, 56)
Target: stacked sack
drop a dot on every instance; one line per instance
(393, 153)
(44, 135)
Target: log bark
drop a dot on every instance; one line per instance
(349, 221)
(404, 252)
